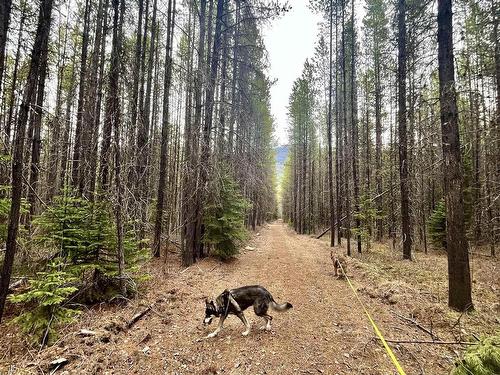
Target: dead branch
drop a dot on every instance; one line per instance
(323, 233)
(429, 342)
(418, 325)
(328, 229)
(138, 317)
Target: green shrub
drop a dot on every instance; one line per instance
(83, 234)
(47, 293)
(437, 225)
(74, 228)
(224, 217)
(482, 359)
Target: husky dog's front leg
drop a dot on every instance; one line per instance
(219, 328)
(245, 322)
(239, 314)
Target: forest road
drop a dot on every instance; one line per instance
(326, 332)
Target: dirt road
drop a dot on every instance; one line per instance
(326, 331)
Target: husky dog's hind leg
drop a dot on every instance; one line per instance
(261, 308)
(267, 321)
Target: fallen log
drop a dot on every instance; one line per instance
(323, 233)
(328, 229)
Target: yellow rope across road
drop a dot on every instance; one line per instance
(375, 328)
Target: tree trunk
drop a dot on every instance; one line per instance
(143, 146)
(36, 142)
(112, 100)
(392, 164)
(5, 9)
(378, 144)
(39, 46)
(496, 125)
(303, 213)
(66, 144)
(117, 124)
(55, 125)
(209, 97)
(459, 280)
(354, 134)
(235, 73)
(329, 131)
(91, 112)
(338, 137)
(212, 69)
(367, 149)
(193, 227)
(346, 148)
(99, 93)
(164, 131)
(77, 175)
(223, 106)
(403, 136)
(188, 144)
(12, 99)
(137, 69)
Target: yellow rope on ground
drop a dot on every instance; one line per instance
(375, 328)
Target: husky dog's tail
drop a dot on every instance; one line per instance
(280, 306)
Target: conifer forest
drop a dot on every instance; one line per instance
(156, 155)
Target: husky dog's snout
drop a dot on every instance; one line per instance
(210, 312)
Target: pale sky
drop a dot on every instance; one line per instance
(290, 41)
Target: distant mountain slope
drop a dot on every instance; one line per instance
(281, 155)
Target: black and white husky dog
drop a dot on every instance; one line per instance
(235, 301)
